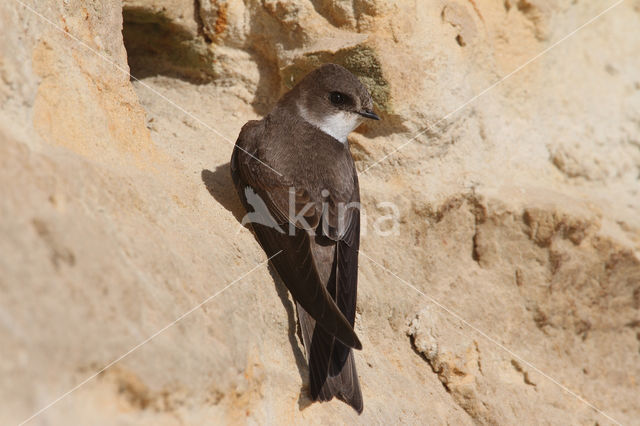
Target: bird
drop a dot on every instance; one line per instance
(296, 160)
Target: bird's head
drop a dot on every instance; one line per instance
(334, 100)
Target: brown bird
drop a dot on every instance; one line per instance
(295, 176)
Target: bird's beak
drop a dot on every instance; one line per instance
(369, 114)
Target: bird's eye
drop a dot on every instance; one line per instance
(337, 98)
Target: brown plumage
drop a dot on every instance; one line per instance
(294, 154)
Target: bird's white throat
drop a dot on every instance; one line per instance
(338, 125)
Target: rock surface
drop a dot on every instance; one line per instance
(507, 291)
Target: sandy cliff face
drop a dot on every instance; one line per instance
(507, 291)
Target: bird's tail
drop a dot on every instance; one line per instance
(332, 368)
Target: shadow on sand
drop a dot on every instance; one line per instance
(221, 187)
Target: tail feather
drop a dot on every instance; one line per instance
(330, 372)
(344, 385)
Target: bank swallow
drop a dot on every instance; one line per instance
(297, 180)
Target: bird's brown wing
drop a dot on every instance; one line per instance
(332, 369)
(346, 267)
(348, 244)
(295, 263)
